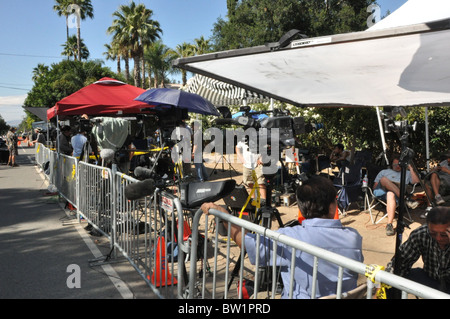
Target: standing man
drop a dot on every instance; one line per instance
(78, 141)
(11, 142)
(387, 188)
(251, 162)
(64, 141)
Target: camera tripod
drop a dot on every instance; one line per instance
(264, 216)
(230, 167)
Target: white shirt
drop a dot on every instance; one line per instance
(250, 159)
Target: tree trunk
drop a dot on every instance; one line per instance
(143, 71)
(79, 43)
(119, 69)
(137, 71)
(127, 68)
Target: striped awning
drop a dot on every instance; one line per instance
(221, 93)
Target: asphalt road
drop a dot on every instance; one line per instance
(44, 254)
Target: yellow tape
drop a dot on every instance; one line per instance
(257, 202)
(371, 272)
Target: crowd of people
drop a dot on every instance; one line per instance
(316, 200)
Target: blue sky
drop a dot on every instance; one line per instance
(33, 33)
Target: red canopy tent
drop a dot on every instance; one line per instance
(105, 97)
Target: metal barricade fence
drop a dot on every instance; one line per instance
(42, 156)
(95, 199)
(214, 287)
(143, 231)
(65, 177)
(147, 235)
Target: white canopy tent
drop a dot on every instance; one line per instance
(403, 60)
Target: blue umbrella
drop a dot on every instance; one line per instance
(164, 98)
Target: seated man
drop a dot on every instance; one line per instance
(387, 188)
(316, 199)
(431, 242)
(340, 156)
(440, 181)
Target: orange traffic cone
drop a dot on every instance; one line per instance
(160, 276)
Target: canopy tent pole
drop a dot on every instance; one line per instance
(383, 141)
(57, 134)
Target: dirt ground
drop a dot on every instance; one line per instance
(377, 247)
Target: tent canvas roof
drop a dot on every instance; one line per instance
(106, 96)
(40, 112)
(220, 93)
(392, 66)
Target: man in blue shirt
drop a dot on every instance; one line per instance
(316, 199)
(78, 142)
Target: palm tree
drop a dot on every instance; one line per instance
(184, 50)
(202, 46)
(112, 53)
(40, 70)
(71, 49)
(159, 59)
(134, 29)
(67, 7)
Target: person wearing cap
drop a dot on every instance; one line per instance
(40, 138)
(440, 181)
(11, 142)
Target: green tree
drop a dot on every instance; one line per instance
(63, 79)
(184, 50)
(133, 29)
(3, 126)
(256, 22)
(39, 71)
(158, 58)
(68, 7)
(202, 46)
(70, 48)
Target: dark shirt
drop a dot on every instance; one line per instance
(436, 262)
(64, 145)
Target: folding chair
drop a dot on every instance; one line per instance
(371, 201)
(349, 184)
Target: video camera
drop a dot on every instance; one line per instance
(85, 125)
(167, 120)
(287, 125)
(390, 125)
(192, 194)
